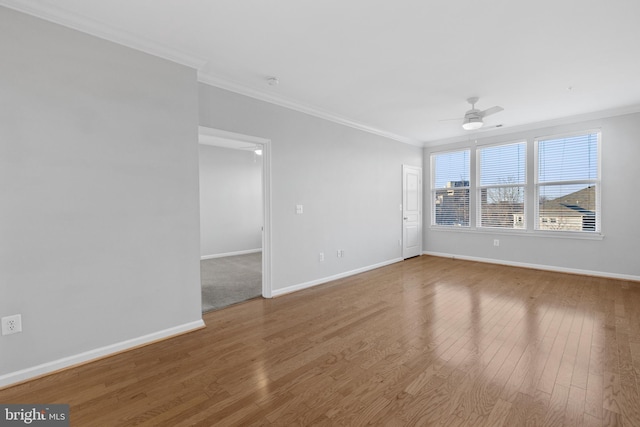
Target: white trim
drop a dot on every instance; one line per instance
(266, 195)
(95, 28)
(597, 182)
(225, 84)
(478, 187)
(223, 134)
(568, 120)
(570, 134)
(419, 172)
(604, 274)
(578, 235)
(312, 283)
(87, 356)
(267, 226)
(226, 254)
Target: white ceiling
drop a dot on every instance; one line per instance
(393, 67)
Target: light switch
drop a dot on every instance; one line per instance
(299, 209)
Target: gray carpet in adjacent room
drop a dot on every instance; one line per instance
(229, 280)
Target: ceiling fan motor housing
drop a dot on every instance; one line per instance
(473, 113)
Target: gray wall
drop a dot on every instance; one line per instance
(99, 239)
(616, 254)
(348, 181)
(230, 200)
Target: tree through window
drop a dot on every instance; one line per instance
(501, 189)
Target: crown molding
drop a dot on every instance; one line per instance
(90, 26)
(225, 84)
(95, 28)
(567, 120)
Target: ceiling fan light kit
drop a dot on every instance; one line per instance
(473, 118)
(472, 123)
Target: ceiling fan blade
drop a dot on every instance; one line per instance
(490, 111)
(491, 127)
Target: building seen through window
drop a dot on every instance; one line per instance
(452, 204)
(564, 194)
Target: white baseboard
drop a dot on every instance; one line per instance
(249, 251)
(305, 285)
(87, 356)
(538, 266)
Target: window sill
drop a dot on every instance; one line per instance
(576, 235)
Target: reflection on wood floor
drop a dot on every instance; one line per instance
(427, 341)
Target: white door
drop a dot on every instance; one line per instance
(411, 211)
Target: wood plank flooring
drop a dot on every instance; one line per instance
(428, 341)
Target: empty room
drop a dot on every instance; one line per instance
(441, 212)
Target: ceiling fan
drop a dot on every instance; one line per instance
(473, 118)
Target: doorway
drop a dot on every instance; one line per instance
(411, 211)
(235, 217)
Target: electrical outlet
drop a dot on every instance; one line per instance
(496, 242)
(321, 257)
(11, 324)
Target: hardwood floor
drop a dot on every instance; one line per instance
(428, 341)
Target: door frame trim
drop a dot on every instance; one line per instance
(420, 207)
(266, 195)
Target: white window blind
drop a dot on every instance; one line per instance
(450, 188)
(568, 183)
(501, 189)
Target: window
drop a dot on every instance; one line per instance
(501, 189)
(547, 184)
(568, 183)
(450, 188)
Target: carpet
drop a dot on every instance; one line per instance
(230, 280)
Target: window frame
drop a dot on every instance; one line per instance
(434, 189)
(524, 185)
(597, 182)
(531, 200)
